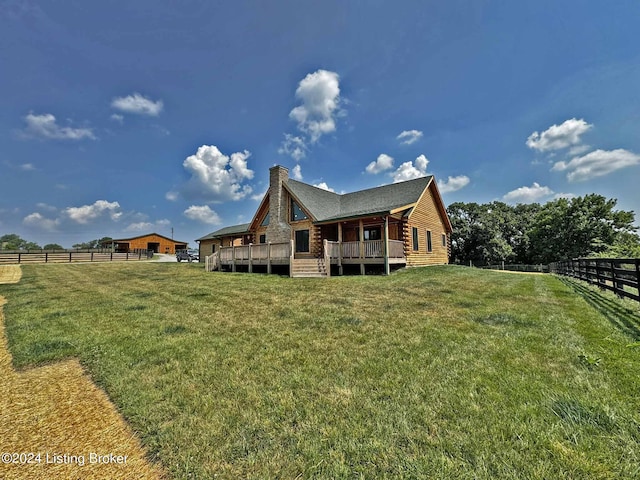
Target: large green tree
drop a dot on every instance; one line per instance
(578, 227)
(484, 233)
(92, 244)
(530, 233)
(11, 241)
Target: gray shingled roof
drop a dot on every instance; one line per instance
(226, 231)
(325, 206)
(328, 206)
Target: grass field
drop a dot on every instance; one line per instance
(441, 372)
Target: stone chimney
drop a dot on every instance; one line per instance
(279, 229)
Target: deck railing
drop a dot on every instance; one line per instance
(261, 251)
(331, 250)
(372, 249)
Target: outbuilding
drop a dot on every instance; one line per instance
(152, 241)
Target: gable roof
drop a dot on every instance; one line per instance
(327, 206)
(142, 236)
(227, 231)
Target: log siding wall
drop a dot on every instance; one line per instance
(426, 217)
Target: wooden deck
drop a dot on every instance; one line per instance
(368, 252)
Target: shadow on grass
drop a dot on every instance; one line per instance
(618, 314)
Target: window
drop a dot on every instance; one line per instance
(263, 238)
(302, 241)
(296, 212)
(415, 239)
(429, 245)
(372, 233)
(265, 221)
(444, 240)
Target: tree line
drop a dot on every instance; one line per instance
(11, 241)
(491, 233)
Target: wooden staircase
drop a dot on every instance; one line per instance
(309, 267)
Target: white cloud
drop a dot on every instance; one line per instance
(37, 220)
(319, 93)
(171, 196)
(293, 146)
(324, 186)
(297, 172)
(411, 170)
(46, 206)
(139, 227)
(137, 104)
(144, 226)
(215, 176)
(453, 183)
(87, 213)
(259, 196)
(528, 194)
(117, 118)
(597, 164)
(202, 214)
(27, 167)
(45, 126)
(409, 136)
(382, 163)
(557, 137)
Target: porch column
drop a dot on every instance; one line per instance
(387, 270)
(361, 225)
(339, 248)
(250, 258)
(269, 257)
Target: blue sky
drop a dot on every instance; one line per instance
(124, 118)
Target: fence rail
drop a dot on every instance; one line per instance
(70, 257)
(619, 275)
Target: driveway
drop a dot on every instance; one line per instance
(163, 257)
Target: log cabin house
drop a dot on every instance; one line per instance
(314, 232)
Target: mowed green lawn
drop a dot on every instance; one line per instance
(442, 372)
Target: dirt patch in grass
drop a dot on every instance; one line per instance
(61, 422)
(10, 273)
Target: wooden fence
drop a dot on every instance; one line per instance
(619, 275)
(70, 257)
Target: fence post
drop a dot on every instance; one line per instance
(638, 275)
(19, 258)
(70, 257)
(46, 257)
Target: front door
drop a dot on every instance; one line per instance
(302, 241)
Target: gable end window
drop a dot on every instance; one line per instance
(415, 239)
(429, 244)
(296, 212)
(265, 221)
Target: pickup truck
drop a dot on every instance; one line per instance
(186, 255)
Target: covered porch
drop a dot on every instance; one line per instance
(360, 242)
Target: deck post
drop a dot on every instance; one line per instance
(291, 257)
(233, 258)
(387, 269)
(269, 257)
(361, 252)
(339, 248)
(327, 257)
(250, 259)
